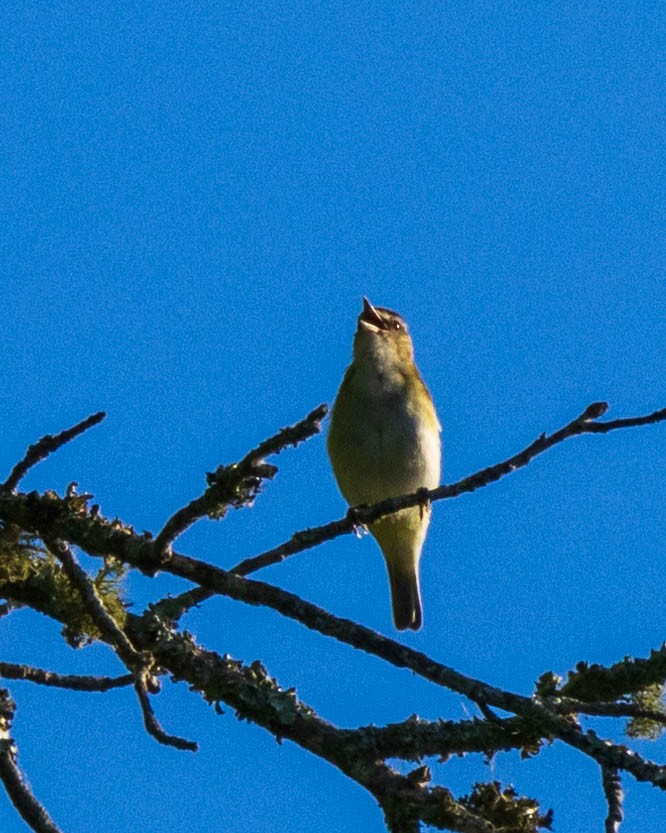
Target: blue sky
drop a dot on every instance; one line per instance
(194, 201)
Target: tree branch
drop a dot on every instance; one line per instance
(567, 705)
(612, 784)
(47, 445)
(151, 722)
(415, 738)
(139, 664)
(256, 696)
(75, 682)
(308, 538)
(107, 625)
(31, 512)
(20, 794)
(238, 484)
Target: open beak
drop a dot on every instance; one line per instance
(371, 316)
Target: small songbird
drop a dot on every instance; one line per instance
(383, 442)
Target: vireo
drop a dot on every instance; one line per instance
(383, 441)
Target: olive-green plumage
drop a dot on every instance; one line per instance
(383, 442)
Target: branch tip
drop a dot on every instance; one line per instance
(594, 411)
(27, 805)
(237, 484)
(47, 445)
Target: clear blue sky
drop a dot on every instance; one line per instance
(194, 200)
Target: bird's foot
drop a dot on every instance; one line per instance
(424, 500)
(359, 527)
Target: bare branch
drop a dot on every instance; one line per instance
(299, 542)
(47, 445)
(51, 517)
(612, 784)
(152, 724)
(75, 682)
(255, 592)
(567, 705)
(306, 539)
(415, 737)
(626, 422)
(20, 794)
(238, 482)
(35, 512)
(283, 716)
(107, 625)
(257, 697)
(139, 664)
(291, 435)
(173, 607)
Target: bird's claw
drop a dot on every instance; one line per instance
(424, 500)
(359, 527)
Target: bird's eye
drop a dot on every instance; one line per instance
(396, 325)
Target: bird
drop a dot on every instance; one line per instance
(384, 441)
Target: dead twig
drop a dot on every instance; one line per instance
(47, 445)
(20, 794)
(237, 484)
(75, 682)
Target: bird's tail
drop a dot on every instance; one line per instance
(405, 595)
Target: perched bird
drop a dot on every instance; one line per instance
(384, 441)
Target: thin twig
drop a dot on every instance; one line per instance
(138, 663)
(107, 625)
(152, 724)
(251, 466)
(75, 682)
(47, 445)
(612, 784)
(20, 794)
(173, 607)
(567, 705)
(306, 539)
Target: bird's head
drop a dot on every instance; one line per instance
(382, 334)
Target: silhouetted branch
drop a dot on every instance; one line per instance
(306, 539)
(612, 784)
(238, 483)
(75, 682)
(146, 644)
(47, 445)
(30, 511)
(20, 794)
(256, 697)
(139, 664)
(254, 592)
(107, 625)
(152, 724)
(566, 705)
